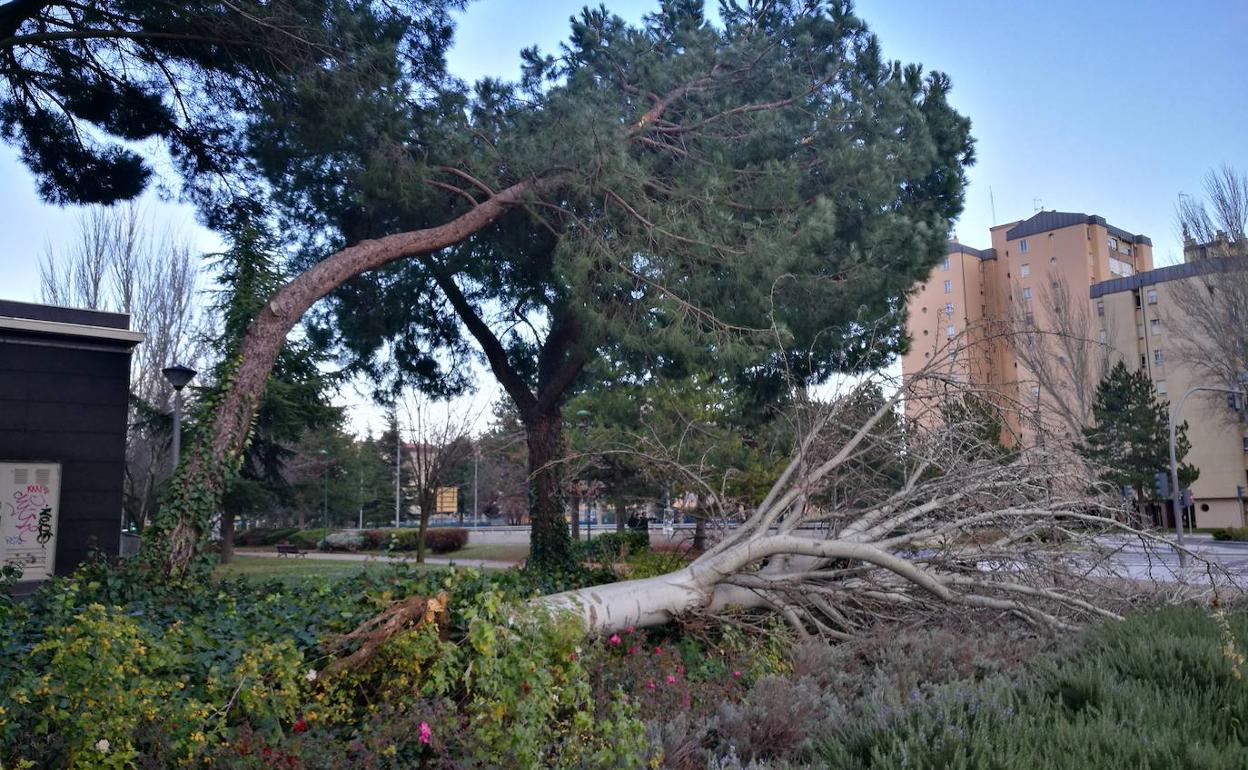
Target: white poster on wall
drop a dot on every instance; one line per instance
(29, 517)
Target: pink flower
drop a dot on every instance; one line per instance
(631, 630)
(736, 674)
(300, 726)
(650, 685)
(671, 679)
(425, 732)
(631, 650)
(658, 650)
(615, 639)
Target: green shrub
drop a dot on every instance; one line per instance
(403, 539)
(307, 539)
(611, 547)
(1231, 533)
(446, 540)
(258, 536)
(1161, 689)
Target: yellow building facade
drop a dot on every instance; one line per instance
(1012, 319)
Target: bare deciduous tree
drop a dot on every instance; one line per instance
(439, 441)
(119, 261)
(1207, 316)
(1059, 343)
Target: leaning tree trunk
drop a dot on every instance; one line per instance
(195, 495)
(549, 542)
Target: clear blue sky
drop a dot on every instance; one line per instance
(1110, 108)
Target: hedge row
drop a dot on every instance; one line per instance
(1231, 533)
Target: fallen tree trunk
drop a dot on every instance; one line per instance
(955, 524)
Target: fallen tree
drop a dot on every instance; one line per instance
(948, 520)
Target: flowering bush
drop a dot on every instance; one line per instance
(347, 541)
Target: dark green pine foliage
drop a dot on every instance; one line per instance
(81, 82)
(1129, 439)
(297, 395)
(754, 197)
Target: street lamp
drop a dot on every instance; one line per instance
(1175, 493)
(178, 376)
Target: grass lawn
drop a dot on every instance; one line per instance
(264, 567)
(487, 552)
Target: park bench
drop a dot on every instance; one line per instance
(286, 549)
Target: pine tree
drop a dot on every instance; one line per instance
(1129, 439)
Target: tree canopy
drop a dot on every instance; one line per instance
(686, 194)
(80, 83)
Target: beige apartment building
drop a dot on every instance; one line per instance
(1075, 278)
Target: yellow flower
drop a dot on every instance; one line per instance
(197, 737)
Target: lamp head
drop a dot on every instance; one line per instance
(178, 376)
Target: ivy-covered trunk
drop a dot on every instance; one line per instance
(549, 542)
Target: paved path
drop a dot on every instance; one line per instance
(1162, 563)
(372, 557)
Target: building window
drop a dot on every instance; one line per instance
(1029, 319)
(1035, 391)
(948, 287)
(1152, 296)
(1162, 388)
(1025, 270)
(1139, 331)
(1027, 293)
(950, 331)
(1154, 324)
(1103, 335)
(1136, 295)
(946, 263)
(1143, 361)
(1158, 358)
(1022, 246)
(1100, 310)
(949, 309)
(1052, 260)
(1113, 243)
(953, 354)
(1246, 443)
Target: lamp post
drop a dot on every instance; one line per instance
(1175, 492)
(178, 376)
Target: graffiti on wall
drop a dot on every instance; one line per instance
(28, 517)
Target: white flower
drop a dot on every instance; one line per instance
(102, 745)
(311, 675)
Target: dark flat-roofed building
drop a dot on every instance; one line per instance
(64, 394)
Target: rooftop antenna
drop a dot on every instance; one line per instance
(992, 202)
(1037, 205)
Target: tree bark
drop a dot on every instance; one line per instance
(427, 501)
(549, 541)
(574, 504)
(227, 536)
(619, 515)
(211, 461)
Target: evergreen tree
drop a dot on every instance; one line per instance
(81, 83)
(1129, 439)
(685, 187)
(297, 396)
